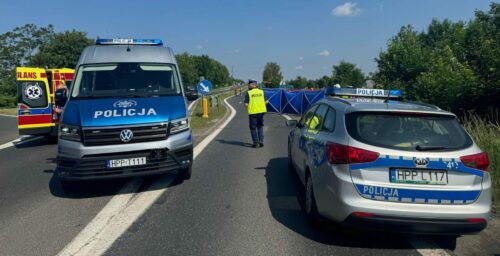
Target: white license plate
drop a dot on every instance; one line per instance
(416, 176)
(116, 163)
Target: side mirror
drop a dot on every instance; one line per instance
(61, 96)
(292, 123)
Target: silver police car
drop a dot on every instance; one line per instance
(376, 160)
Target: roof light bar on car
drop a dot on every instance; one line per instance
(126, 41)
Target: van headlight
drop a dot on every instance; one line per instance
(180, 125)
(69, 132)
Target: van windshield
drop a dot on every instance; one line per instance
(126, 80)
(408, 132)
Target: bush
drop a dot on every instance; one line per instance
(487, 136)
(8, 101)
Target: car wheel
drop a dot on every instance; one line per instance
(311, 208)
(184, 174)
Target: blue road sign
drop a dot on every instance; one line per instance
(204, 87)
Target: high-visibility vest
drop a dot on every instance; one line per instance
(256, 102)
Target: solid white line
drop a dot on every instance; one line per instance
(192, 104)
(8, 115)
(426, 247)
(19, 141)
(287, 117)
(125, 208)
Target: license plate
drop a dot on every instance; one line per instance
(116, 163)
(416, 176)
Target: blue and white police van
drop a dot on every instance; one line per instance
(125, 114)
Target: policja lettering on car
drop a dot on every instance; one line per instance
(124, 112)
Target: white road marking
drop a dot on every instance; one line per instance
(426, 247)
(8, 115)
(125, 208)
(287, 117)
(19, 141)
(192, 104)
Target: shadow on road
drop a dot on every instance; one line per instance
(101, 188)
(286, 201)
(235, 143)
(31, 142)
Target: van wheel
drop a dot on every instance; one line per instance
(184, 174)
(311, 208)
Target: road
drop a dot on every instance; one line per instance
(240, 201)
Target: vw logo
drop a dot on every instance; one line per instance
(125, 104)
(421, 162)
(126, 135)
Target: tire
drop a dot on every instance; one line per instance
(310, 202)
(184, 174)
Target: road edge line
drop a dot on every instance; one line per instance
(123, 209)
(19, 141)
(8, 115)
(426, 247)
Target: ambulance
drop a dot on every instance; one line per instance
(37, 113)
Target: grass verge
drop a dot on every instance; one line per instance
(215, 113)
(487, 136)
(8, 111)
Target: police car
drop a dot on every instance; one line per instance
(125, 115)
(369, 158)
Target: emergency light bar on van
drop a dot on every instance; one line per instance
(125, 41)
(362, 92)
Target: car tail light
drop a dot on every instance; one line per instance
(477, 161)
(363, 214)
(342, 154)
(476, 220)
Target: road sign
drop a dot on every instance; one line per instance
(204, 87)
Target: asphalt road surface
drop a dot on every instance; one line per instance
(239, 201)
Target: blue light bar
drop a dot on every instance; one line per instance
(125, 41)
(362, 92)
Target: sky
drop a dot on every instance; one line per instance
(305, 38)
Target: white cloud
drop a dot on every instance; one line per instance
(237, 50)
(324, 53)
(301, 58)
(347, 9)
(299, 67)
(199, 47)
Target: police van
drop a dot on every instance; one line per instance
(125, 114)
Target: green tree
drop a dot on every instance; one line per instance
(448, 83)
(62, 50)
(323, 82)
(187, 68)
(299, 82)
(347, 74)
(17, 47)
(271, 77)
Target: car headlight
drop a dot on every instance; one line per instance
(180, 125)
(69, 132)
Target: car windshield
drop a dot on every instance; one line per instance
(407, 131)
(126, 80)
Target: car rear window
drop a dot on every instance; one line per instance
(410, 132)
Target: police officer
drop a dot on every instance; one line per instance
(256, 104)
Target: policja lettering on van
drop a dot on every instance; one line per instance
(125, 112)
